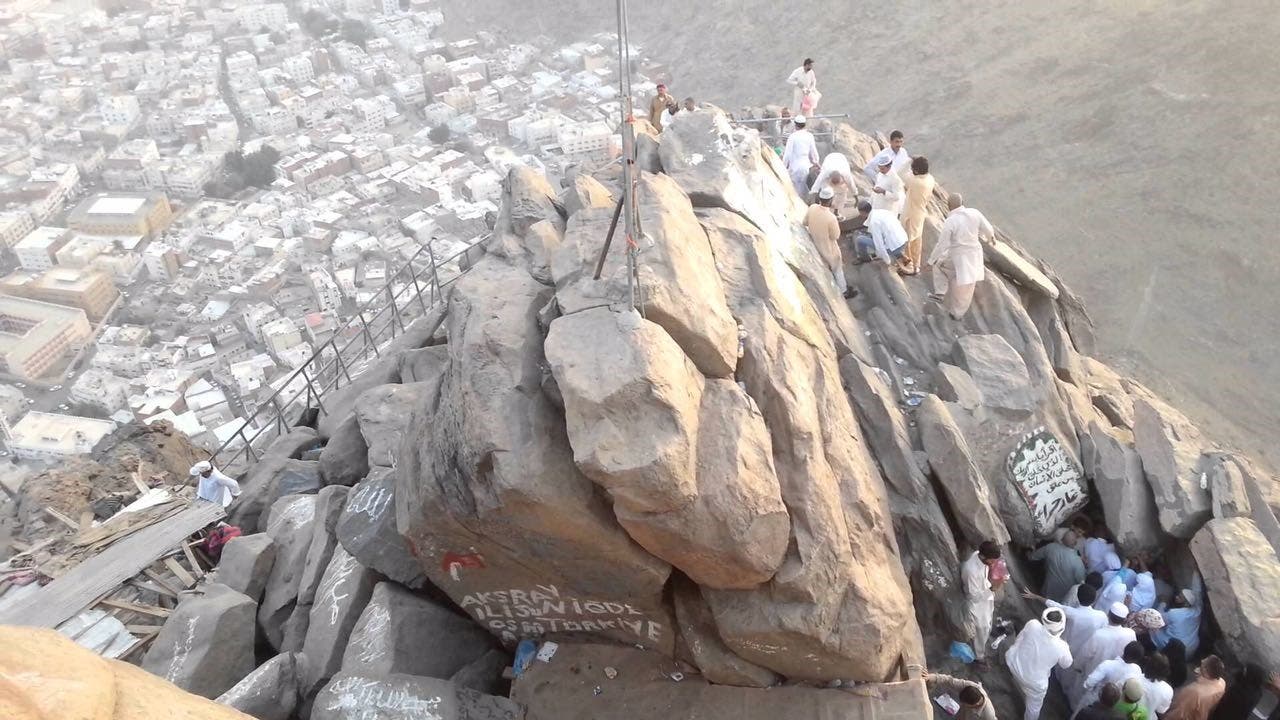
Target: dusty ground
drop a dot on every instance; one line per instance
(1129, 144)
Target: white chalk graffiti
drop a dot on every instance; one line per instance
(379, 619)
(182, 652)
(363, 699)
(334, 579)
(931, 576)
(519, 613)
(371, 500)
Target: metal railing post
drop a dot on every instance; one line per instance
(368, 335)
(311, 391)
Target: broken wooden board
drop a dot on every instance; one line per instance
(98, 575)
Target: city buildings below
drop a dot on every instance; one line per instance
(90, 290)
(46, 436)
(123, 214)
(37, 337)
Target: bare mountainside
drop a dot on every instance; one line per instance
(1132, 145)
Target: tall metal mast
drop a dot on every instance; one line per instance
(628, 151)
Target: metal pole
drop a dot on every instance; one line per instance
(628, 149)
(608, 239)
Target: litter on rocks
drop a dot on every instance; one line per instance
(610, 673)
(677, 676)
(547, 651)
(598, 690)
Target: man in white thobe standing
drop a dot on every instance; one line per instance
(212, 485)
(888, 193)
(1108, 642)
(800, 156)
(805, 84)
(957, 258)
(896, 153)
(1034, 653)
(980, 595)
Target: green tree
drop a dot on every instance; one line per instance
(439, 134)
(355, 32)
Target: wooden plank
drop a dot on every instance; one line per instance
(141, 643)
(191, 558)
(155, 577)
(152, 587)
(137, 480)
(100, 575)
(179, 572)
(62, 519)
(86, 520)
(135, 607)
(143, 629)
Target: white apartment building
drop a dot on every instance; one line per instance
(119, 109)
(38, 250)
(328, 296)
(45, 436)
(101, 390)
(587, 140)
(299, 68)
(272, 16)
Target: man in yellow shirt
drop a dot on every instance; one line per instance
(824, 228)
(919, 188)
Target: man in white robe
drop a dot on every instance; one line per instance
(975, 577)
(212, 485)
(1034, 653)
(834, 165)
(957, 258)
(897, 154)
(804, 83)
(800, 156)
(888, 192)
(1107, 643)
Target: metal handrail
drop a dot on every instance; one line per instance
(330, 364)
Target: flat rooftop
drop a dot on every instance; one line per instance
(63, 434)
(116, 205)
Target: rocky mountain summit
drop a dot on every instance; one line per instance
(749, 482)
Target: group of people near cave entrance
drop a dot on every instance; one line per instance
(888, 224)
(1118, 637)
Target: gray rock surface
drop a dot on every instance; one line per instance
(710, 655)
(246, 564)
(1171, 447)
(329, 504)
(290, 525)
(1127, 500)
(260, 487)
(400, 632)
(367, 529)
(268, 693)
(968, 495)
(997, 370)
(484, 674)
(341, 598)
(383, 413)
(345, 457)
(206, 645)
(955, 385)
(1242, 576)
(351, 696)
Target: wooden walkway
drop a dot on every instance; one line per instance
(85, 583)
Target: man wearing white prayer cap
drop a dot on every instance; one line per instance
(824, 228)
(212, 485)
(1107, 643)
(1034, 654)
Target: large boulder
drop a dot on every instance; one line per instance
(528, 198)
(403, 633)
(261, 486)
(677, 287)
(968, 495)
(1127, 501)
(268, 693)
(488, 495)
(206, 645)
(341, 598)
(709, 654)
(367, 529)
(289, 524)
(696, 486)
(839, 605)
(1171, 448)
(1242, 574)
(925, 541)
(383, 413)
(997, 370)
(329, 504)
(345, 457)
(246, 564)
(586, 192)
(573, 686)
(46, 676)
(351, 696)
(484, 674)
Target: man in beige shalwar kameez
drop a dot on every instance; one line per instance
(919, 188)
(957, 259)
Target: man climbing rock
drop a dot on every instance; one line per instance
(957, 258)
(212, 485)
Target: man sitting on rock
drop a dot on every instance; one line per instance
(824, 228)
(957, 257)
(884, 238)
